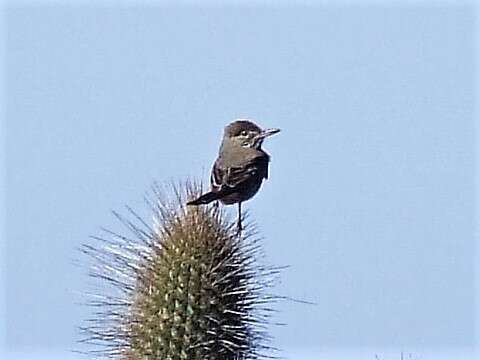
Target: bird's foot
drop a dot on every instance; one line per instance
(239, 226)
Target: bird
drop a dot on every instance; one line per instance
(241, 166)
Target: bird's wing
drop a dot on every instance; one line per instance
(217, 175)
(233, 176)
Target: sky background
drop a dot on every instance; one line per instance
(372, 193)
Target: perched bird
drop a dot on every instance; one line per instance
(240, 167)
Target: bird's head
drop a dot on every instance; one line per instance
(245, 133)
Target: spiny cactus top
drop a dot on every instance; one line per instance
(187, 287)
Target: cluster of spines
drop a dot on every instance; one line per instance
(187, 287)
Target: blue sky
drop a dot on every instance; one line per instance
(372, 192)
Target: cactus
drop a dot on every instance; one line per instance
(187, 287)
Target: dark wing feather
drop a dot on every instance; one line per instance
(216, 178)
(234, 176)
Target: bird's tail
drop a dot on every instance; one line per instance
(205, 198)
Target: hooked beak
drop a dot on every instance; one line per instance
(268, 132)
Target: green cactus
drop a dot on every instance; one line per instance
(188, 287)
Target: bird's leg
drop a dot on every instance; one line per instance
(239, 221)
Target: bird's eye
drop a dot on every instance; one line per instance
(244, 133)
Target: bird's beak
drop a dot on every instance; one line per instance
(268, 132)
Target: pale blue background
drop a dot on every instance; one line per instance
(372, 192)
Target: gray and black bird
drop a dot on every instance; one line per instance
(241, 165)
